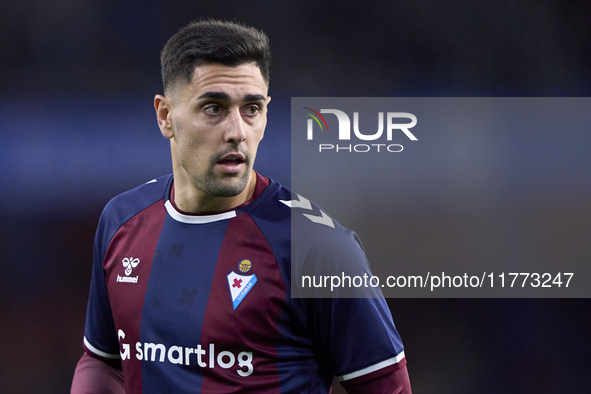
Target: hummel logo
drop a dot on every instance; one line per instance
(304, 203)
(129, 263)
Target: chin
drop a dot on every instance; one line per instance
(232, 189)
(223, 186)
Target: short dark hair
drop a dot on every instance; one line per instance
(209, 42)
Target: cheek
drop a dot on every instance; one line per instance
(255, 141)
(260, 130)
(189, 137)
(190, 150)
(255, 144)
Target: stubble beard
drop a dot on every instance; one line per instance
(225, 186)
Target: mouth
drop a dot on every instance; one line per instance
(232, 163)
(232, 159)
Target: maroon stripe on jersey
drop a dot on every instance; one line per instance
(127, 265)
(252, 326)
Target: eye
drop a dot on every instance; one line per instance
(213, 109)
(251, 110)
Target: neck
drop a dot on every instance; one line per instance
(188, 199)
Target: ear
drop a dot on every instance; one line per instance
(163, 114)
(266, 111)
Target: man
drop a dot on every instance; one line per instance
(190, 289)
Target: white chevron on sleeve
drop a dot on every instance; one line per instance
(301, 203)
(324, 219)
(304, 203)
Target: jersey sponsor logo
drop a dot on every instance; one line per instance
(129, 263)
(240, 286)
(204, 356)
(304, 203)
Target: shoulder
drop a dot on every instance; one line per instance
(308, 221)
(140, 197)
(128, 204)
(315, 228)
(312, 231)
(322, 248)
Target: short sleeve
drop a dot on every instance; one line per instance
(351, 322)
(100, 339)
(358, 336)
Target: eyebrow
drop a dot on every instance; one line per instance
(225, 96)
(215, 95)
(254, 97)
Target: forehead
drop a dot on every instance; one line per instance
(237, 82)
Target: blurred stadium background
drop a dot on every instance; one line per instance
(77, 80)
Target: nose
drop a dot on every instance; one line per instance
(236, 131)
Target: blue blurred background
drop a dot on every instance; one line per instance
(77, 80)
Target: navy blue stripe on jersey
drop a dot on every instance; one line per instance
(295, 345)
(175, 303)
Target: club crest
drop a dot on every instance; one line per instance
(240, 286)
